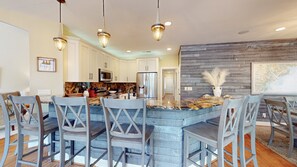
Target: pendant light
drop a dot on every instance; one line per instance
(158, 28)
(59, 41)
(103, 36)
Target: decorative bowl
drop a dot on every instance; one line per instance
(112, 91)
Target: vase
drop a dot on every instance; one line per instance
(217, 91)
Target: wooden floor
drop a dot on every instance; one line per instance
(266, 157)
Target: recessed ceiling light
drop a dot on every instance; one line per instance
(243, 32)
(169, 49)
(128, 51)
(100, 30)
(167, 23)
(280, 29)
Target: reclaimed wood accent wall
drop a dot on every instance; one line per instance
(236, 57)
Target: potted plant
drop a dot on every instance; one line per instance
(216, 78)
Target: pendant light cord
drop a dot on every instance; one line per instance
(60, 13)
(158, 14)
(103, 15)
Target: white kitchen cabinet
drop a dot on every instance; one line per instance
(80, 62)
(114, 67)
(148, 65)
(127, 71)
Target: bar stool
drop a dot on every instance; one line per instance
(124, 131)
(247, 125)
(215, 137)
(9, 122)
(29, 123)
(75, 126)
(281, 121)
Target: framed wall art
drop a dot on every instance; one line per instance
(274, 78)
(45, 64)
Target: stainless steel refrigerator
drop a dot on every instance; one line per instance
(147, 85)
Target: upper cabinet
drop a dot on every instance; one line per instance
(127, 71)
(82, 61)
(148, 65)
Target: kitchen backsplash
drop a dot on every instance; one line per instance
(79, 87)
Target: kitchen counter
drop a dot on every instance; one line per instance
(168, 132)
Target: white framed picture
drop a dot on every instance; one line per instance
(45, 64)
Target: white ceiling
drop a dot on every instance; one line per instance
(193, 21)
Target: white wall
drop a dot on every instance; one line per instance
(41, 33)
(14, 59)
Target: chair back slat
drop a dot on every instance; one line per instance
(7, 107)
(69, 113)
(121, 117)
(250, 111)
(229, 118)
(292, 100)
(28, 111)
(279, 113)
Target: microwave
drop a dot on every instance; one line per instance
(104, 75)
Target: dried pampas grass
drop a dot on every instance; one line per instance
(217, 77)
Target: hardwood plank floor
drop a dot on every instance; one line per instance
(266, 157)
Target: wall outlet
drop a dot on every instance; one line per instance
(264, 115)
(190, 89)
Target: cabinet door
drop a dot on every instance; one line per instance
(92, 66)
(84, 61)
(123, 71)
(72, 61)
(114, 67)
(141, 65)
(132, 71)
(151, 65)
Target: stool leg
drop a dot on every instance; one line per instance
(209, 156)
(51, 139)
(186, 149)
(221, 156)
(109, 152)
(203, 154)
(242, 149)
(271, 136)
(143, 155)
(124, 158)
(291, 145)
(20, 146)
(40, 150)
(72, 144)
(62, 151)
(253, 147)
(234, 153)
(88, 153)
(152, 152)
(6, 146)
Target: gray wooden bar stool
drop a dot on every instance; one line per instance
(33, 124)
(215, 137)
(9, 122)
(247, 125)
(75, 125)
(281, 121)
(124, 131)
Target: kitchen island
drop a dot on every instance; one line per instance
(168, 132)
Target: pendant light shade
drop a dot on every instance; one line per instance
(59, 41)
(158, 28)
(103, 36)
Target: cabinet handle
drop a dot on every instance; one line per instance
(105, 64)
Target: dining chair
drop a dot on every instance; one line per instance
(9, 122)
(29, 118)
(281, 121)
(124, 131)
(215, 137)
(75, 124)
(247, 125)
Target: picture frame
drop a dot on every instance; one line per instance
(46, 64)
(274, 78)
